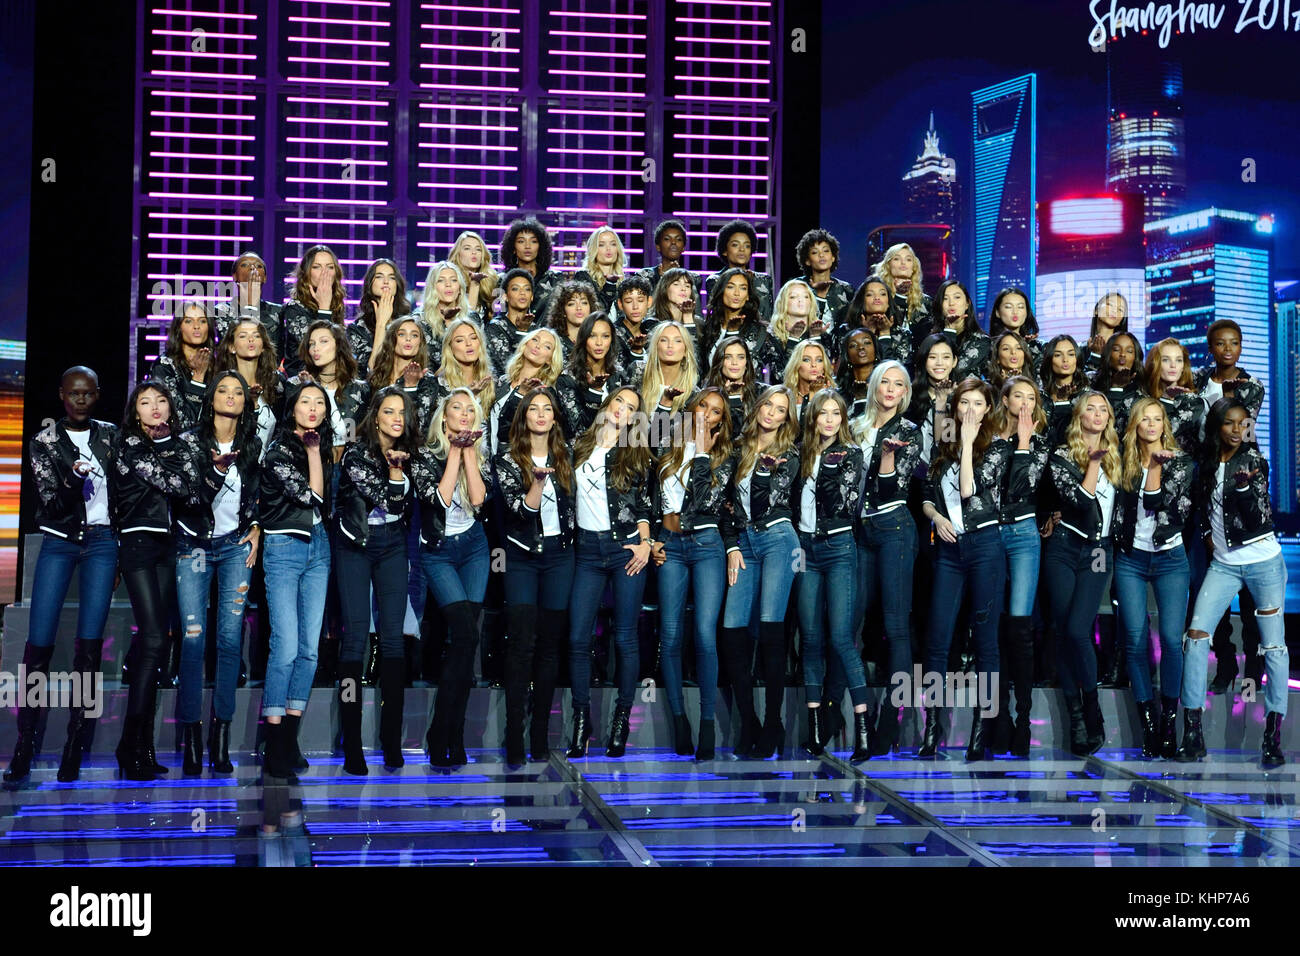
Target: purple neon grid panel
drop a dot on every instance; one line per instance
(468, 48)
(599, 161)
(211, 40)
(596, 49)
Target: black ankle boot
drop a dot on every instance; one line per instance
(1225, 672)
(1169, 727)
(618, 731)
(816, 744)
(932, 738)
(747, 738)
(1271, 754)
(1150, 732)
(1193, 747)
(1078, 732)
(131, 760)
(770, 740)
(682, 745)
(192, 746)
(1092, 721)
(147, 724)
(888, 722)
(277, 756)
(832, 721)
(706, 749)
(35, 660)
(350, 690)
(392, 693)
(1020, 644)
(293, 754)
(581, 733)
(977, 748)
(219, 746)
(864, 723)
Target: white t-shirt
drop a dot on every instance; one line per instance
(97, 506)
(459, 518)
(380, 515)
(1251, 553)
(808, 499)
(1106, 498)
(951, 484)
(1145, 530)
(1212, 392)
(550, 509)
(593, 502)
(742, 490)
(265, 424)
(675, 485)
(225, 507)
(336, 418)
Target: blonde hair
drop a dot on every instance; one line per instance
(867, 420)
(915, 295)
(487, 286)
(782, 442)
(429, 307)
(790, 377)
(1077, 446)
(778, 327)
(450, 370)
(1132, 473)
(440, 446)
(589, 258)
(687, 379)
(547, 373)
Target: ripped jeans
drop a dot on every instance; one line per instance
(196, 563)
(1266, 581)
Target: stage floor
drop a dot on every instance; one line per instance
(653, 808)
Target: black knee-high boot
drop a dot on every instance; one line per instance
(446, 732)
(354, 756)
(771, 639)
(36, 660)
(392, 692)
(521, 641)
(472, 627)
(737, 660)
(81, 726)
(1020, 660)
(551, 628)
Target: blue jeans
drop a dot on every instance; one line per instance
(764, 583)
(601, 560)
(379, 566)
(539, 580)
(96, 559)
(1078, 574)
(886, 559)
(1168, 573)
(457, 570)
(297, 574)
(1021, 543)
(1266, 581)
(196, 563)
(826, 592)
(697, 560)
(978, 563)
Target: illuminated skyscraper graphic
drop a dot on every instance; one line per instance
(930, 186)
(1005, 123)
(1285, 348)
(1145, 143)
(1216, 264)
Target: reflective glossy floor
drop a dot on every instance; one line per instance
(653, 808)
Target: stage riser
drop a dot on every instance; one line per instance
(1236, 727)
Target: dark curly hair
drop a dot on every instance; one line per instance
(669, 224)
(731, 228)
(713, 319)
(1102, 380)
(527, 224)
(633, 280)
(810, 239)
(1047, 379)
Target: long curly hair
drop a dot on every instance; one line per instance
(750, 431)
(565, 293)
(916, 294)
(715, 315)
(528, 224)
(487, 286)
(521, 443)
(455, 375)
(440, 445)
(345, 366)
(302, 293)
(949, 452)
(671, 460)
(1131, 473)
(996, 374)
(1102, 380)
(1077, 446)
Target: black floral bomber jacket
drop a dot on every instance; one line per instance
(984, 505)
(839, 480)
(523, 525)
(1171, 504)
(1247, 512)
(769, 498)
(61, 510)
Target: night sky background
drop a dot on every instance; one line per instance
(887, 65)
